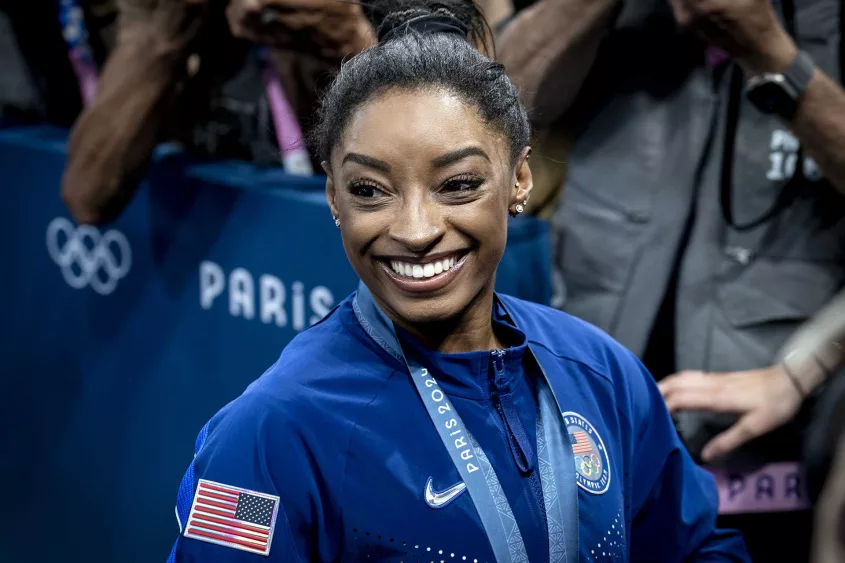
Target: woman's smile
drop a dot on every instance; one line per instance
(424, 275)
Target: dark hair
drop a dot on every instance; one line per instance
(408, 58)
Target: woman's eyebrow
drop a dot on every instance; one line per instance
(366, 161)
(454, 156)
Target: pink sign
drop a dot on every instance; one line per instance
(775, 487)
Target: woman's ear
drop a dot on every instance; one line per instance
(523, 183)
(331, 193)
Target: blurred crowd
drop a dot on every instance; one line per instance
(697, 204)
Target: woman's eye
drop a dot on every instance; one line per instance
(366, 191)
(462, 184)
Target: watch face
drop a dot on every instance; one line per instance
(770, 97)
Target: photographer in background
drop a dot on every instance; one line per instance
(186, 70)
(703, 217)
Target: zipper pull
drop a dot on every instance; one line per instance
(500, 378)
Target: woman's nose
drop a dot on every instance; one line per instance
(418, 226)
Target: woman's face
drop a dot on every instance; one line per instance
(422, 188)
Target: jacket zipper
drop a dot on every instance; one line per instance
(519, 444)
(517, 438)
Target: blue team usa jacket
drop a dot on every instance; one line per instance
(332, 456)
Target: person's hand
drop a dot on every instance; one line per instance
(162, 28)
(762, 398)
(332, 29)
(748, 30)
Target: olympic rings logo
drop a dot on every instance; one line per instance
(83, 253)
(590, 465)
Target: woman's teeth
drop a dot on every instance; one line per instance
(418, 271)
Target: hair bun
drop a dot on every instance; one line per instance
(391, 18)
(429, 23)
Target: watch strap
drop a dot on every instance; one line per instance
(799, 73)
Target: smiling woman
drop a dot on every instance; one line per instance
(428, 418)
(425, 144)
(423, 207)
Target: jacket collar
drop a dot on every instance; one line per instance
(466, 374)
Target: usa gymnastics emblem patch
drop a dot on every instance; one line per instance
(592, 464)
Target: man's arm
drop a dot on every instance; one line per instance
(820, 126)
(817, 349)
(549, 48)
(113, 140)
(749, 30)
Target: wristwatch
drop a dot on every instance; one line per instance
(778, 94)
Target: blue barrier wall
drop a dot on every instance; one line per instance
(118, 343)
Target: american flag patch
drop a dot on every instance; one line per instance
(580, 443)
(233, 517)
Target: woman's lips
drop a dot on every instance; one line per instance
(423, 277)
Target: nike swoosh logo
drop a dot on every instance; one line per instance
(439, 499)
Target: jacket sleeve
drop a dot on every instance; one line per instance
(242, 447)
(674, 502)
